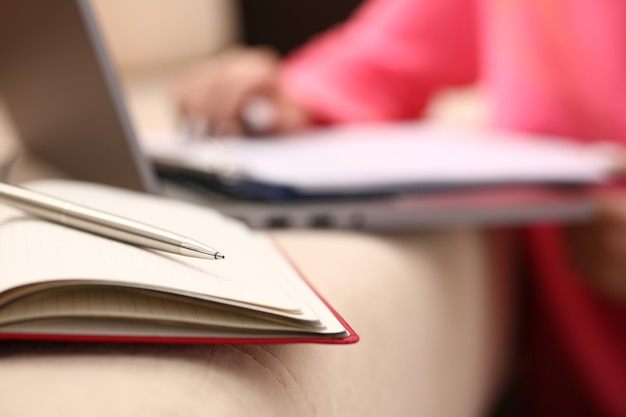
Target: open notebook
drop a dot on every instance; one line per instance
(61, 283)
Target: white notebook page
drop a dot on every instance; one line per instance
(32, 251)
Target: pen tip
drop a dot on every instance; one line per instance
(198, 250)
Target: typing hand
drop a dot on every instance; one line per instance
(236, 93)
(598, 248)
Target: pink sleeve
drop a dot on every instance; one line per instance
(386, 61)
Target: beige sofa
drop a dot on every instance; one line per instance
(433, 309)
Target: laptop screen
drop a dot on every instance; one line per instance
(62, 94)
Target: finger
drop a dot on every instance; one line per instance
(194, 89)
(189, 97)
(234, 95)
(239, 87)
(291, 116)
(259, 115)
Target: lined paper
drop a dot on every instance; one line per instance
(116, 303)
(34, 251)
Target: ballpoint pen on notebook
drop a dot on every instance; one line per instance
(103, 224)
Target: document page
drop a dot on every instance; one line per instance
(372, 157)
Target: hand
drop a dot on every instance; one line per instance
(218, 94)
(598, 248)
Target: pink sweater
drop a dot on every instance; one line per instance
(550, 66)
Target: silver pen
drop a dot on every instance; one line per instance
(103, 224)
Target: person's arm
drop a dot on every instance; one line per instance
(382, 64)
(386, 61)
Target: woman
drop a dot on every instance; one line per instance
(546, 66)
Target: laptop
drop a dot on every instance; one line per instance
(62, 93)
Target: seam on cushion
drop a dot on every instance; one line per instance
(293, 377)
(277, 377)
